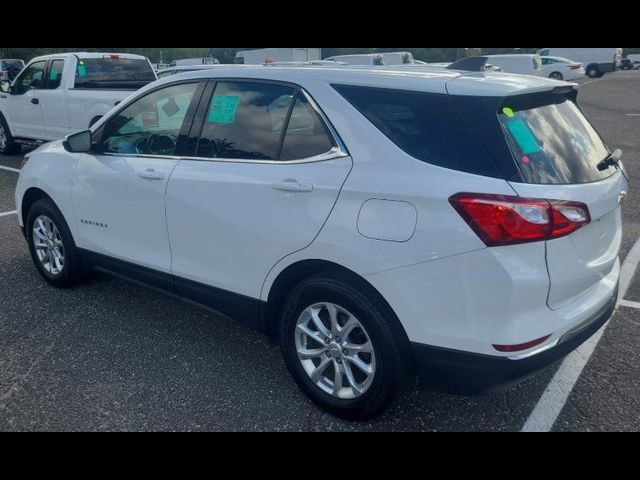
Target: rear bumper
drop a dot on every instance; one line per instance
(470, 373)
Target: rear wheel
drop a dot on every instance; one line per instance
(8, 146)
(593, 72)
(556, 76)
(343, 348)
(51, 245)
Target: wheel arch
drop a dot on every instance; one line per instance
(31, 196)
(3, 117)
(295, 273)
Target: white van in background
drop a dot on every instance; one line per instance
(387, 58)
(187, 62)
(597, 61)
(276, 55)
(359, 59)
(523, 64)
(398, 58)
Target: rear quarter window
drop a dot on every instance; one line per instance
(424, 125)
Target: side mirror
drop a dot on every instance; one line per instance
(78, 142)
(5, 87)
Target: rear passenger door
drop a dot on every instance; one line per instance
(264, 173)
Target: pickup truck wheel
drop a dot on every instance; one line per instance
(94, 121)
(51, 245)
(8, 145)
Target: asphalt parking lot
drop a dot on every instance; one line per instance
(109, 355)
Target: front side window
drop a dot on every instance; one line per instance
(32, 78)
(55, 74)
(150, 125)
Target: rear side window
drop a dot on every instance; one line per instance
(261, 121)
(553, 143)
(55, 74)
(124, 73)
(306, 135)
(245, 121)
(424, 125)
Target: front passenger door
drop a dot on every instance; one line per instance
(24, 102)
(119, 191)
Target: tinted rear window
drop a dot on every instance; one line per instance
(116, 73)
(426, 126)
(553, 143)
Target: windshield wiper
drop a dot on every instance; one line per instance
(612, 160)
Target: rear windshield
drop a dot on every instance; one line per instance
(113, 73)
(426, 126)
(553, 143)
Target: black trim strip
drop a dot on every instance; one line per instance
(246, 310)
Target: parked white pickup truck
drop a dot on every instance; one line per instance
(56, 95)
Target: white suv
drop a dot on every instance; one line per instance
(375, 222)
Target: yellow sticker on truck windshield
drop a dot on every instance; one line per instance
(224, 109)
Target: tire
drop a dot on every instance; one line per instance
(392, 371)
(72, 271)
(8, 146)
(594, 72)
(556, 76)
(94, 121)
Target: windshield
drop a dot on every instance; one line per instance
(113, 73)
(553, 143)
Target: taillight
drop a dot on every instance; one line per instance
(574, 67)
(111, 56)
(504, 220)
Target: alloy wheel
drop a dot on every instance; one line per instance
(335, 351)
(48, 245)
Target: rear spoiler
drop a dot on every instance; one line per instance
(470, 64)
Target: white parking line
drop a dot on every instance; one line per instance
(630, 304)
(9, 169)
(632, 114)
(590, 82)
(550, 405)
(6, 214)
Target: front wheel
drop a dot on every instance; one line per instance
(51, 245)
(8, 145)
(343, 348)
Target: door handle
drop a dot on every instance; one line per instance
(293, 186)
(151, 174)
(35, 101)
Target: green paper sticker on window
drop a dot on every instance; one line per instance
(523, 135)
(224, 109)
(53, 75)
(508, 112)
(82, 70)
